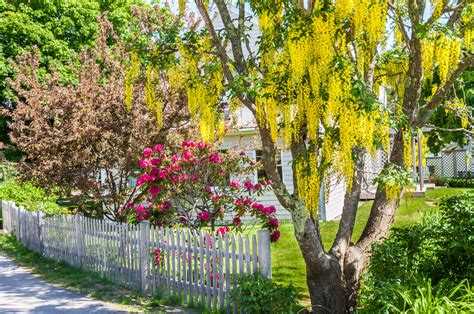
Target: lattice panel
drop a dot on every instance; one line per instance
(452, 165)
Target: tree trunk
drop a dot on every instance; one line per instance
(332, 283)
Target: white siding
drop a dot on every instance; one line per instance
(249, 141)
(335, 201)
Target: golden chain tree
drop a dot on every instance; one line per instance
(312, 80)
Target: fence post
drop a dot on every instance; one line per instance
(4, 215)
(79, 226)
(144, 255)
(264, 254)
(18, 223)
(39, 217)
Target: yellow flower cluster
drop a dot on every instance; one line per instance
(204, 91)
(131, 75)
(392, 191)
(154, 103)
(446, 55)
(319, 93)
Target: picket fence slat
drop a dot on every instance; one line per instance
(194, 266)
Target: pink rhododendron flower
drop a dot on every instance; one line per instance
(188, 144)
(222, 230)
(154, 190)
(195, 179)
(154, 172)
(204, 216)
(157, 256)
(257, 186)
(155, 161)
(275, 236)
(158, 148)
(235, 184)
(184, 177)
(144, 163)
(215, 158)
(162, 174)
(269, 210)
(147, 152)
(248, 185)
(215, 198)
(268, 183)
(187, 154)
(165, 205)
(273, 222)
(141, 212)
(175, 158)
(202, 145)
(248, 201)
(175, 179)
(258, 206)
(175, 168)
(236, 221)
(143, 178)
(239, 202)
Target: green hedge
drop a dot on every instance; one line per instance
(437, 252)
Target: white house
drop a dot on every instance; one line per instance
(245, 136)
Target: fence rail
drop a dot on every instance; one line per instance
(195, 266)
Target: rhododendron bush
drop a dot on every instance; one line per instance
(191, 186)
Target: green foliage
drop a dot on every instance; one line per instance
(257, 294)
(394, 175)
(7, 173)
(422, 297)
(449, 119)
(29, 196)
(440, 248)
(459, 182)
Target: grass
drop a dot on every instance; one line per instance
(288, 266)
(84, 282)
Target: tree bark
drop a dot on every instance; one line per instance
(332, 282)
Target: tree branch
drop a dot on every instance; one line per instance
(399, 22)
(234, 37)
(351, 204)
(442, 91)
(432, 127)
(220, 49)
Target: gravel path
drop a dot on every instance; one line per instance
(23, 292)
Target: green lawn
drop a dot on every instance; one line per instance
(287, 262)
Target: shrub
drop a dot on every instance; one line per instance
(30, 197)
(8, 173)
(460, 182)
(440, 181)
(421, 296)
(440, 248)
(257, 294)
(191, 186)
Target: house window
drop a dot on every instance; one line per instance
(261, 173)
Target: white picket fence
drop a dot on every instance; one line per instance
(196, 267)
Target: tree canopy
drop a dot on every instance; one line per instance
(56, 28)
